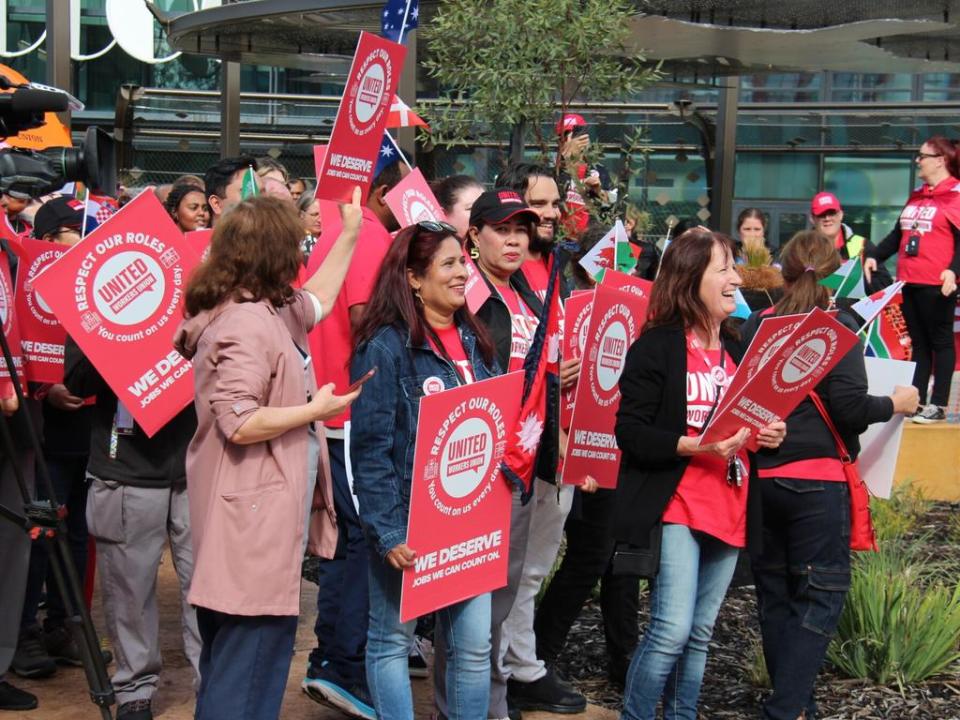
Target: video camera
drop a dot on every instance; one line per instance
(32, 173)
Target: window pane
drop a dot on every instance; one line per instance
(781, 87)
(871, 87)
(776, 176)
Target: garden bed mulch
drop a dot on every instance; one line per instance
(728, 690)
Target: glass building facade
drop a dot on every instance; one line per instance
(797, 132)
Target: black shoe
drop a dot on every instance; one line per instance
(135, 710)
(550, 694)
(12, 698)
(62, 647)
(31, 659)
(513, 712)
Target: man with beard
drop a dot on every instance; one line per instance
(531, 684)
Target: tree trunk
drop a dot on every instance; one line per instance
(516, 141)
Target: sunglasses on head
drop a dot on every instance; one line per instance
(436, 226)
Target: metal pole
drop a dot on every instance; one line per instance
(229, 109)
(406, 137)
(59, 73)
(721, 196)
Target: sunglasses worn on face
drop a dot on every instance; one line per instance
(436, 226)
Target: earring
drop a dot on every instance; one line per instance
(474, 252)
(416, 294)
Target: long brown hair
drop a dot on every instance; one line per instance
(675, 299)
(254, 255)
(393, 301)
(807, 259)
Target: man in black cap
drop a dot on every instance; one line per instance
(59, 220)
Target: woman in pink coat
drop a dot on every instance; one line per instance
(255, 453)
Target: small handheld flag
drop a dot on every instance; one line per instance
(743, 310)
(870, 307)
(847, 281)
(402, 116)
(249, 188)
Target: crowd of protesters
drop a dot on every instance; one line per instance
(280, 456)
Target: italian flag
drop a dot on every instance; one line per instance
(847, 281)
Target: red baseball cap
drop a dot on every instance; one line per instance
(824, 202)
(569, 122)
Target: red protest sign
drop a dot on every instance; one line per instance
(199, 241)
(8, 323)
(576, 322)
(319, 153)
(627, 283)
(41, 334)
(793, 367)
(351, 157)
(412, 200)
(119, 294)
(615, 322)
(459, 522)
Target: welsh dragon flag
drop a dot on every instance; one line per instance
(541, 380)
(612, 251)
(847, 281)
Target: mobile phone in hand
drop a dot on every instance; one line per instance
(359, 383)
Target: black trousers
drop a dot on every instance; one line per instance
(588, 559)
(929, 318)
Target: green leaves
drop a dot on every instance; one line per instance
(515, 61)
(896, 628)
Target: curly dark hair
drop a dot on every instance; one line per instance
(254, 255)
(176, 195)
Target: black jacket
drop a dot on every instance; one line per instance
(650, 422)
(145, 462)
(495, 315)
(844, 393)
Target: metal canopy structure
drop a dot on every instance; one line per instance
(707, 38)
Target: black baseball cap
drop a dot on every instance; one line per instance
(56, 213)
(499, 205)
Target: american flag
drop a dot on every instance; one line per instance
(541, 381)
(398, 18)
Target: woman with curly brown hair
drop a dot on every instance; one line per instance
(257, 445)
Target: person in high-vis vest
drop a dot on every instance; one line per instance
(826, 214)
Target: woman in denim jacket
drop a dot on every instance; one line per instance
(419, 337)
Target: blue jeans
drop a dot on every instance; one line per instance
(695, 570)
(802, 576)
(465, 627)
(342, 605)
(243, 665)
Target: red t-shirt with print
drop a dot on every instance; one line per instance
(704, 500)
(523, 324)
(453, 347)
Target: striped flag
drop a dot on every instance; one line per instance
(887, 337)
(249, 188)
(541, 371)
(847, 281)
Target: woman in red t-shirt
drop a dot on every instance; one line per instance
(691, 496)
(927, 242)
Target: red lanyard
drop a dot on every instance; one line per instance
(718, 373)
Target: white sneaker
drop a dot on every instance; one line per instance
(929, 414)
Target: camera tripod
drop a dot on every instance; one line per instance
(42, 520)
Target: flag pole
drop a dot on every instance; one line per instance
(399, 151)
(403, 28)
(86, 211)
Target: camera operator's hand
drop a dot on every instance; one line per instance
(62, 399)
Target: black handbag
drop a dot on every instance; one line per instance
(639, 561)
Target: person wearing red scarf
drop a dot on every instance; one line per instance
(927, 242)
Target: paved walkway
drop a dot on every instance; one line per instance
(65, 697)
